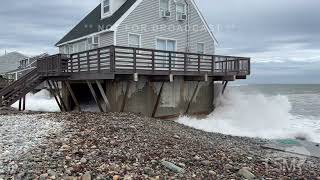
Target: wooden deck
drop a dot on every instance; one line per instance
(108, 62)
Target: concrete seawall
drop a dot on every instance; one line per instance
(162, 99)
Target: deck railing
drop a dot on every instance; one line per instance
(128, 60)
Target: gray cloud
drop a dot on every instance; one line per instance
(34, 26)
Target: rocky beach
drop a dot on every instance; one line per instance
(129, 146)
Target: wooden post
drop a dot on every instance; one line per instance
(134, 60)
(155, 108)
(88, 62)
(78, 57)
(103, 95)
(112, 59)
(94, 95)
(153, 60)
(185, 62)
(192, 97)
(125, 96)
(198, 63)
(99, 60)
(20, 104)
(170, 62)
(224, 86)
(54, 95)
(24, 103)
(56, 89)
(212, 64)
(73, 95)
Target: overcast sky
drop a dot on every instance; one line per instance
(278, 31)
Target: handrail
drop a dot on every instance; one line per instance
(19, 81)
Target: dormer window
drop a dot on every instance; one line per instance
(106, 6)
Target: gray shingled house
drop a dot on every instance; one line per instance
(174, 25)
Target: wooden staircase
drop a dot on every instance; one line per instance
(20, 88)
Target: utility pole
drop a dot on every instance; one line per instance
(5, 52)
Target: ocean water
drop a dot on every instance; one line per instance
(265, 111)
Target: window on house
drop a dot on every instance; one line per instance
(70, 48)
(200, 48)
(134, 40)
(93, 42)
(106, 6)
(164, 5)
(166, 45)
(181, 9)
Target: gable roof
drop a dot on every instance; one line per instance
(91, 23)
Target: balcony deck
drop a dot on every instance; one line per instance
(111, 61)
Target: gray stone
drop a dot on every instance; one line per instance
(172, 167)
(205, 163)
(44, 176)
(244, 172)
(86, 176)
(83, 160)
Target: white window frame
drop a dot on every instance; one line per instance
(160, 9)
(166, 39)
(105, 14)
(184, 7)
(135, 34)
(90, 45)
(204, 47)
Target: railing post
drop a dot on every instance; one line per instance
(71, 64)
(99, 60)
(153, 60)
(134, 60)
(249, 66)
(88, 62)
(212, 64)
(170, 62)
(185, 62)
(226, 66)
(112, 59)
(78, 57)
(198, 63)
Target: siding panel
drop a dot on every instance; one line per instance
(145, 20)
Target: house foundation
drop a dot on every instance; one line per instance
(154, 98)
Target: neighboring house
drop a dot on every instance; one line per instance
(25, 66)
(10, 61)
(175, 25)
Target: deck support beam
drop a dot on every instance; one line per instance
(192, 97)
(56, 87)
(24, 103)
(124, 102)
(156, 106)
(104, 96)
(53, 93)
(75, 100)
(225, 83)
(94, 95)
(20, 102)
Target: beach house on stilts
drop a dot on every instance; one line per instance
(154, 57)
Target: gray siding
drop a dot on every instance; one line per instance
(106, 39)
(145, 20)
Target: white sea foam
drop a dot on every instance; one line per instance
(255, 115)
(41, 101)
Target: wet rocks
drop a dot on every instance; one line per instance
(128, 146)
(245, 173)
